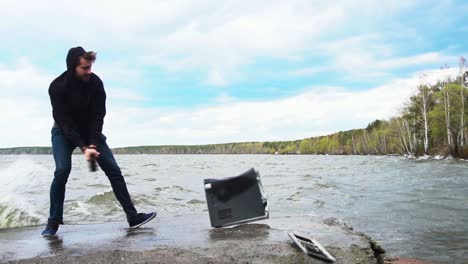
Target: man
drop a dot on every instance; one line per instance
(78, 107)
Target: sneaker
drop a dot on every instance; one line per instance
(141, 219)
(50, 230)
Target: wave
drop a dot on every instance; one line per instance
(175, 188)
(102, 198)
(14, 217)
(195, 201)
(151, 165)
(21, 199)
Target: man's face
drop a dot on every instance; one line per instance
(83, 70)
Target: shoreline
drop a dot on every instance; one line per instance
(409, 157)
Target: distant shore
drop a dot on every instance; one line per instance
(159, 150)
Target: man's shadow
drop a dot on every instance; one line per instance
(55, 244)
(141, 231)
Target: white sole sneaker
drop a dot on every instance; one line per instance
(146, 221)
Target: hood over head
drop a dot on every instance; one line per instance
(72, 57)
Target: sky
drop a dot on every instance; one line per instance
(204, 72)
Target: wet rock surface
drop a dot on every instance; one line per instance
(184, 239)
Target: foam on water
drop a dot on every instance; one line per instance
(103, 197)
(78, 208)
(19, 205)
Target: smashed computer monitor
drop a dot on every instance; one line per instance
(236, 200)
(311, 247)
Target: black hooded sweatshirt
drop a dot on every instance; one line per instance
(78, 107)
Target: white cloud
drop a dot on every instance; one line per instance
(22, 79)
(356, 58)
(187, 35)
(123, 94)
(225, 98)
(307, 71)
(216, 78)
(25, 105)
(118, 71)
(417, 60)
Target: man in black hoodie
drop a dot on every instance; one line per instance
(78, 106)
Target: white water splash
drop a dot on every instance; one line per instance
(18, 205)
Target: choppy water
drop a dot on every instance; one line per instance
(415, 208)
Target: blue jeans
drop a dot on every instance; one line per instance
(62, 150)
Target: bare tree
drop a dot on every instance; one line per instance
(446, 94)
(415, 142)
(406, 137)
(425, 94)
(447, 114)
(353, 144)
(461, 134)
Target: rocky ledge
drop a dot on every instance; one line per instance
(188, 239)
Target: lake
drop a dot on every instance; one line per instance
(416, 209)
